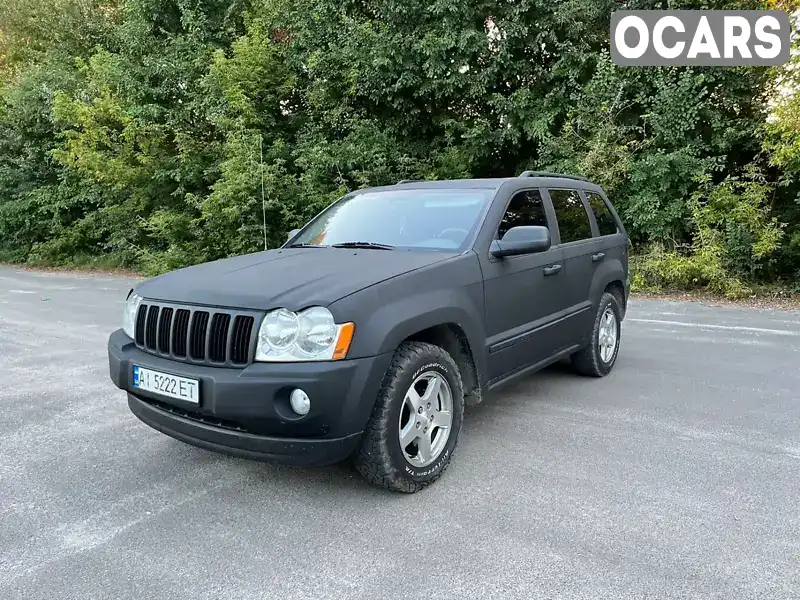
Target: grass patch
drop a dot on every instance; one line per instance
(81, 263)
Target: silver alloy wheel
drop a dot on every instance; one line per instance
(426, 419)
(607, 335)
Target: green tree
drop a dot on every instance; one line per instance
(158, 134)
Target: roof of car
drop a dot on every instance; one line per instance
(492, 183)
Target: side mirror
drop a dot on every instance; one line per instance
(292, 233)
(521, 240)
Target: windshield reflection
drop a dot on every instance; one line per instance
(439, 219)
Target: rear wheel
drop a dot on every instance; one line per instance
(414, 427)
(598, 357)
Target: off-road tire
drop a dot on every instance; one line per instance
(379, 457)
(588, 361)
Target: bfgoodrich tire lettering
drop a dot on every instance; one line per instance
(380, 458)
(590, 361)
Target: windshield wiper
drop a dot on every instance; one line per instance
(363, 245)
(305, 246)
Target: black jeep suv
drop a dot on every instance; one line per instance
(371, 328)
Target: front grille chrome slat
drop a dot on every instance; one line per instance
(220, 338)
(141, 319)
(198, 337)
(240, 345)
(164, 329)
(180, 332)
(151, 328)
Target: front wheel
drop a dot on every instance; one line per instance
(598, 357)
(414, 427)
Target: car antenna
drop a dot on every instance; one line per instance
(263, 196)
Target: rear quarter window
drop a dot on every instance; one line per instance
(605, 220)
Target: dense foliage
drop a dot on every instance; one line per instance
(146, 133)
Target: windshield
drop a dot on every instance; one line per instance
(440, 219)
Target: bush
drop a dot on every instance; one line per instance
(658, 269)
(160, 133)
(734, 238)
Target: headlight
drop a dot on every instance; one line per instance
(279, 330)
(129, 316)
(311, 334)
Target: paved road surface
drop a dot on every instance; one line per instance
(678, 476)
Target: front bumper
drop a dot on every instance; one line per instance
(296, 451)
(245, 412)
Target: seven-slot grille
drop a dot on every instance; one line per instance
(192, 334)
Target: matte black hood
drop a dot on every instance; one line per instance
(292, 278)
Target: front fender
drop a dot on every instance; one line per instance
(388, 313)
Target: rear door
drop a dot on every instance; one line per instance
(611, 252)
(580, 251)
(522, 293)
(612, 241)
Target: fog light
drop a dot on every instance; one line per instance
(300, 402)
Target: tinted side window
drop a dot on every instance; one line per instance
(573, 220)
(525, 209)
(605, 220)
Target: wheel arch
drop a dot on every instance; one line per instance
(453, 328)
(452, 338)
(617, 288)
(609, 277)
(449, 315)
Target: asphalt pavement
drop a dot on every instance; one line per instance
(677, 476)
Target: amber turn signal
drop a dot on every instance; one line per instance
(346, 331)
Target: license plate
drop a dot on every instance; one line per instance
(165, 384)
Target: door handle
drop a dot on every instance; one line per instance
(552, 270)
(598, 256)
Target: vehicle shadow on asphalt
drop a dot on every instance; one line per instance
(526, 390)
(245, 473)
(342, 478)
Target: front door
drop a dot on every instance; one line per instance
(521, 294)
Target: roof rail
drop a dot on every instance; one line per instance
(402, 181)
(543, 174)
